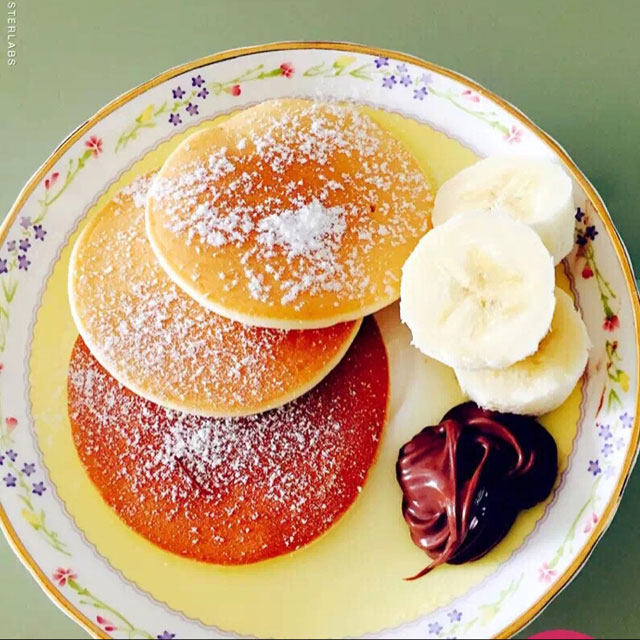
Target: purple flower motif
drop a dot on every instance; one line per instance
(581, 240)
(192, 109)
(39, 488)
(39, 232)
(23, 263)
(165, 635)
(426, 78)
(197, 81)
(3, 266)
(10, 480)
(626, 420)
(434, 628)
(12, 455)
(620, 443)
(25, 222)
(28, 468)
(579, 214)
(401, 68)
(594, 467)
(1, 459)
(178, 92)
(607, 449)
(203, 93)
(455, 615)
(406, 80)
(175, 119)
(11, 245)
(24, 244)
(381, 62)
(604, 431)
(420, 94)
(591, 232)
(388, 82)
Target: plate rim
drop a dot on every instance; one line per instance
(621, 252)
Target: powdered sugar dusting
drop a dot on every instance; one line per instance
(309, 230)
(304, 194)
(159, 341)
(232, 489)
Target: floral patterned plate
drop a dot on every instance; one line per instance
(117, 585)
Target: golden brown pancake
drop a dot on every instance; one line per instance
(291, 214)
(160, 343)
(234, 490)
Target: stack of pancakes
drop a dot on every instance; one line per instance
(225, 395)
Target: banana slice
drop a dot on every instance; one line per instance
(536, 192)
(543, 381)
(477, 291)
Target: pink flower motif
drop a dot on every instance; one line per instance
(545, 574)
(611, 322)
(61, 576)
(95, 144)
(514, 135)
(107, 625)
(51, 180)
(591, 521)
(235, 90)
(287, 69)
(471, 95)
(11, 423)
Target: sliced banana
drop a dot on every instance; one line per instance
(544, 380)
(534, 191)
(477, 291)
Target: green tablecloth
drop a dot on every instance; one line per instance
(573, 67)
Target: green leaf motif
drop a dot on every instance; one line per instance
(362, 72)
(613, 399)
(315, 70)
(87, 598)
(270, 74)
(9, 290)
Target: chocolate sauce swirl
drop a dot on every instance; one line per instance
(465, 480)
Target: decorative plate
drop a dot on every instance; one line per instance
(348, 583)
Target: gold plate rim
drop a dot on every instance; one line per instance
(623, 259)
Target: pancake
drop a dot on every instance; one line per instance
(160, 343)
(290, 214)
(232, 490)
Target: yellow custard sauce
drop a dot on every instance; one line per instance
(349, 581)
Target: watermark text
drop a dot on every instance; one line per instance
(12, 32)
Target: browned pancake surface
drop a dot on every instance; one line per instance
(235, 490)
(290, 214)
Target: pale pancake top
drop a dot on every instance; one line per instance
(292, 213)
(164, 346)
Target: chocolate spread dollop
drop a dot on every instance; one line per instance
(465, 480)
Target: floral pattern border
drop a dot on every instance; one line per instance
(17, 251)
(418, 86)
(186, 103)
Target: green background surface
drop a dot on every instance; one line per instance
(573, 67)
